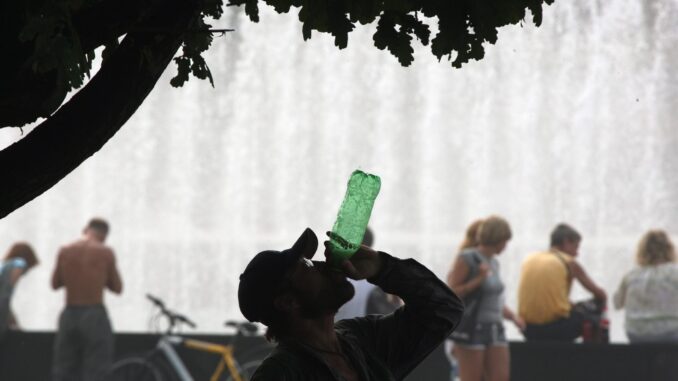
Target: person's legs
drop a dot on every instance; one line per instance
(450, 353)
(98, 356)
(497, 363)
(497, 353)
(66, 357)
(566, 329)
(471, 362)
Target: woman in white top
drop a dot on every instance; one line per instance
(650, 292)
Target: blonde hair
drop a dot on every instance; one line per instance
(25, 251)
(471, 236)
(493, 231)
(655, 248)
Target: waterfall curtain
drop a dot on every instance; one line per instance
(571, 121)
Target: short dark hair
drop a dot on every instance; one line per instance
(562, 233)
(98, 224)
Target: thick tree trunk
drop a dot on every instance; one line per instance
(83, 125)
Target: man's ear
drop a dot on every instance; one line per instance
(286, 303)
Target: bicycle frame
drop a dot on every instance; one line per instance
(226, 352)
(166, 346)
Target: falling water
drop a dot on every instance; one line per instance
(572, 121)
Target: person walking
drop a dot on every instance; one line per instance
(83, 348)
(480, 345)
(470, 241)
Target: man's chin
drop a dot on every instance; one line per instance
(345, 292)
(334, 296)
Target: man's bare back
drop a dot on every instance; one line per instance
(85, 268)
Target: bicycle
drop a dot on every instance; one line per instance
(163, 363)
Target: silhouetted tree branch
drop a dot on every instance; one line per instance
(82, 126)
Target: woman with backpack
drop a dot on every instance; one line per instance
(481, 348)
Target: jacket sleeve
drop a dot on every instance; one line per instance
(405, 337)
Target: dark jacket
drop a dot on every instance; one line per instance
(380, 347)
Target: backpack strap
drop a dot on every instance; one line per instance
(564, 262)
(473, 261)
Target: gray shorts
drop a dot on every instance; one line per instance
(83, 347)
(485, 335)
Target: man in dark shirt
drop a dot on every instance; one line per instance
(296, 298)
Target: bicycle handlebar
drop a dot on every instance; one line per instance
(156, 301)
(171, 315)
(185, 320)
(243, 328)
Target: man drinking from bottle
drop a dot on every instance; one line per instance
(296, 298)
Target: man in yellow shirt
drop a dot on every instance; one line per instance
(545, 283)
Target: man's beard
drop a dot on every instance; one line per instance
(328, 300)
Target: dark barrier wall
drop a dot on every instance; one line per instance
(594, 362)
(27, 357)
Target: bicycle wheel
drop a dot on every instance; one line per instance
(134, 369)
(246, 371)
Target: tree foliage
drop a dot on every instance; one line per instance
(463, 26)
(55, 48)
(53, 51)
(56, 42)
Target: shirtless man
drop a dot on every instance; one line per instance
(83, 348)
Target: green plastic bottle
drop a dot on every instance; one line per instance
(354, 214)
